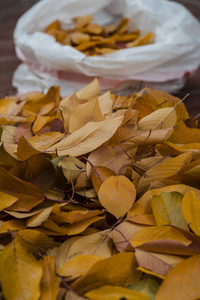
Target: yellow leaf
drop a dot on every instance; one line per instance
(182, 282)
(117, 194)
(118, 269)
(98, 243)
(78, 37)
(111, 292)
(184, 135)
(153, 137)
(168, 148)
(167, 209)
(82, 21)
(89, 137)
(11, 224)
(191, 211)
(49, 284)
(21, 273)
(147, 271)
(8, 134)
(45, 140)
(84, 113)
(165, 169)
(68, 105)
(69, 229)
(39, 218)
(158, 233)
(45, 104)
(169, 167)
(166, 100)
(31, 237)
(6, 200)
(142, 40)
(105, 103)
(99, 175)
(75, 216)
(40, 122)
(5, 105)
(78, 265)
(90, 91)
(159, 119)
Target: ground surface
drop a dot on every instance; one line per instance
(11, 10)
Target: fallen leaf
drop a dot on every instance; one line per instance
(115, 270)
(28, 195)
(117, 194)
(78, 265)
(114, 293)
(167, 209)
(49, 284)
(191, 211)
(21, 273)
(182, 281)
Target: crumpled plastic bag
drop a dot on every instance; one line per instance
(174, 55)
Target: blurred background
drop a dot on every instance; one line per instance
(11, 10)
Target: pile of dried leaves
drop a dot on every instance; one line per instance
(92, 39)
(99, 196)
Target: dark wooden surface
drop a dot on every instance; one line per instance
(11, 10)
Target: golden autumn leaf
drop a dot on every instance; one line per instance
(49, 284)
(182, 281)
(166, 100)
(153, 233)
(87, 138)
(111, 292)
(117, 194)
(184, 135)
(45, 140)
(78, 265)
(115, 270)
(191, 211)
(84, 113)
(98, 244)
(99, 175)
(69, 229)
(21, 273)
(6, 200)
(161, 118)
(168, 167)
(12, 225)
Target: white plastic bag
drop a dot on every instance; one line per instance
(175, 53)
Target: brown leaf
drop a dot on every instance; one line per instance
(28, 194)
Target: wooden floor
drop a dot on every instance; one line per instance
(11, 10)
